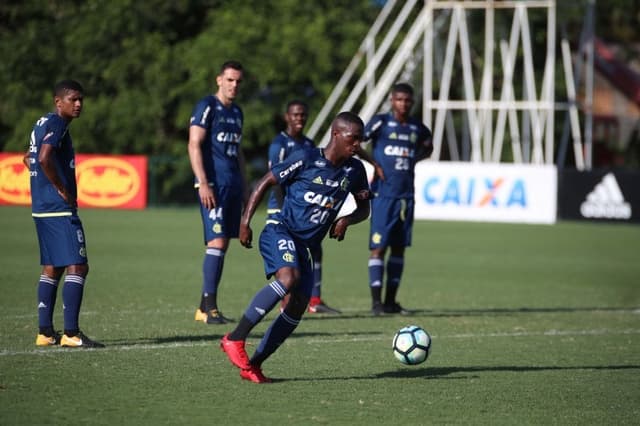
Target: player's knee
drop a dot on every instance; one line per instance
(377, 253)
(288, 277)
(218, 243)
(54, 272)
(82, 269)
(289, 281)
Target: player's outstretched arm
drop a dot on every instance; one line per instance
(246, 234)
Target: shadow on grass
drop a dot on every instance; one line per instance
(217, 331)
(133, 341)
(471, 312)
(215, 338)
(444, 372)
(455, 373)
(522, 310)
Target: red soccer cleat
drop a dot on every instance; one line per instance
(317, 306)
(235, 352)
(254, 374)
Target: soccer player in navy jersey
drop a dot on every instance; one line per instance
(315, 184)
(54, 207)
(398, 141)
(286, 142)
(215, 133)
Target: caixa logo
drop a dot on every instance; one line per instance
(475, 192)
(106, 182)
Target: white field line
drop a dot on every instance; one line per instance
(93, 313)
(345, 310)
(599, 332)
(338, 339)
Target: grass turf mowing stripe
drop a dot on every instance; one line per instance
(214, 342)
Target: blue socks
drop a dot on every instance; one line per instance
(317, 279)
(211, 274)
(277, 333)
(47, 294)
(395, 265)
(264, 301)
(316, 255)
(72, 299)
(376, 271)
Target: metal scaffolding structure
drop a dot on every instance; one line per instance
(478, 110)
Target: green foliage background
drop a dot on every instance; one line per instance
(145, 64)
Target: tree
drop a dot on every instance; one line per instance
(145, 64)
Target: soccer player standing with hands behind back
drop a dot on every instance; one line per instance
(54, 206)
(217, 162)
(398, 142)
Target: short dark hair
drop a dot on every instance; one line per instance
(297, 102)
(402, 88)
(348, 117)
(231, 64)
(64, 86)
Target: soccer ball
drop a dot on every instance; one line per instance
(411, 345)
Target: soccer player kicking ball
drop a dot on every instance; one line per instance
(315, 184)
(287, 141)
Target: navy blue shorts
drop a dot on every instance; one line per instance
(61, 240)
(224, 220)
(279, 249)
(391, 222)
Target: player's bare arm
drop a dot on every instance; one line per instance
(363, 207)
(246, 233)
(205, 192)
(364, 155)
(425, 149)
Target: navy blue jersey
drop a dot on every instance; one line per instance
(222, 141)
(395, 148)
(314, 191)
(281, 147)
(45, 199)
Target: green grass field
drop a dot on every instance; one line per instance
(530, 325)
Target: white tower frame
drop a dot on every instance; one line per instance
(531, 113)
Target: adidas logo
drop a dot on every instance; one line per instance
(41, 305)
(606, 201)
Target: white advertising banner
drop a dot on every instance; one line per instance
(486, 192)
